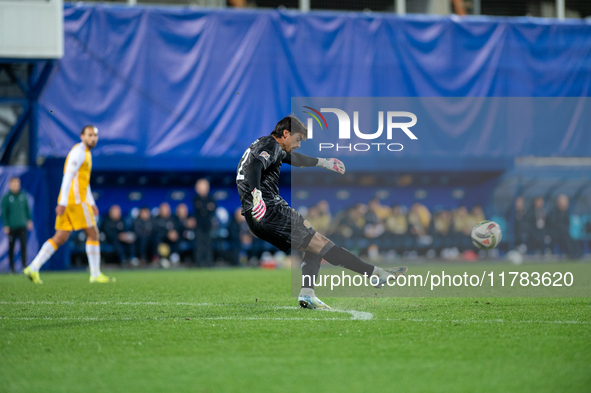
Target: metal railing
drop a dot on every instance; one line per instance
(542, 8)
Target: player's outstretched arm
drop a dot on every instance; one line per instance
(302, 160)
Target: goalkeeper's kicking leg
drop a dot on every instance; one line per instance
(322, 248)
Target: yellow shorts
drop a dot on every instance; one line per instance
(75, 217)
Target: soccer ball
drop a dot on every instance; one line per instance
(486, 235)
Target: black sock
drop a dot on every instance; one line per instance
(340, 257)
(310, 269)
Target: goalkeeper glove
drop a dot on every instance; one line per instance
(332, 164)
(258, 205)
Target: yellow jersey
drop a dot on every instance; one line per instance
(75, 187)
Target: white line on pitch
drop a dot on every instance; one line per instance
(481, 321)
(355, 315)
(172, 318)
(65, 302)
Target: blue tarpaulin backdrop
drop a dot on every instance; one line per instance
(183, 88)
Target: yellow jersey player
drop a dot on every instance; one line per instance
(75, 210)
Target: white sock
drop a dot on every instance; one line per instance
(377, 271)
(93, 252)
(308, 292)
(46, 251)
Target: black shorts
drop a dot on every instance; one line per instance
(283, 227)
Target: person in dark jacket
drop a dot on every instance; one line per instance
(113, 228)
(559, 227)
(185, 227)
(166, 233)
(520, 224)
(204, 206)
(16, 218)
(537, 226)
(143, 227)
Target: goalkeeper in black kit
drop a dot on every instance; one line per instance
(270, 218)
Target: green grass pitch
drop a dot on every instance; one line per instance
(240, 331)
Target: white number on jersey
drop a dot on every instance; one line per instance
(240, 175)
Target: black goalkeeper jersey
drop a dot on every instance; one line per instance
(269, 152)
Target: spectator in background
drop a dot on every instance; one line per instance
(113, 229)
(536, 223)
(442, 223)
(371, 216)
(354, 223)
(241, 4)
(312, 216)
(559, 225)
(239, 237)
(166, 235)
(397, 223)
(324, 209)
(476, 215)
(381, 211)
(319, 217)
(520, 225)
(374, 219)
(461, 221)
(462, 228)
(143, 227)
(443, 235)
(16, 218)
(419, 220)
(204, 212)
(185, 226)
